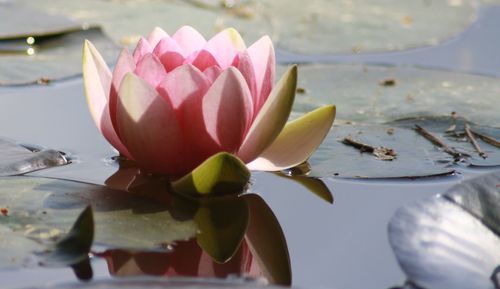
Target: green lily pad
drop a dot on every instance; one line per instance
(71, 250)
(325, 26)
(52, 58)
(415, 156)
(321, 26)
(18, 160)
(456, 138)
(20, 22)
(380, 94)
(15, 249)
(440, 244)
(43, 209)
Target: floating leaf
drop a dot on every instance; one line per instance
(416, 157)
(15, 249)
(220, 174)
(457, 139)
(321, 26)
(21, 22)
(439, 244)
(358, 94)
(53, 58)
(18, 160)
(43, 209)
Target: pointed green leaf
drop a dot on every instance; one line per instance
(222, 224)
(298, 140)
(220, 174)
(271, 118)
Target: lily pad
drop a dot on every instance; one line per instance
(440, 244)
(52, 58)
(18, 160)
(457, 139)
(22, 22)
(43, 209)
(380, 93)
(15, 249)
(415, 156)
(321, 26)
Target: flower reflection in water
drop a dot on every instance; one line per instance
(238, 235)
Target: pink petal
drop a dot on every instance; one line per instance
(212, 73)
(264, 62)
(143, 47)
(189, 40)
(185, 87)
(270, 120)
(228, 109)
(245, 66)
(182, 83)
(224, 46)
(156, 35)
(169, 53)
(203, 60)
(149, 128)
(124, 65)
(151, 70)
(97, 85)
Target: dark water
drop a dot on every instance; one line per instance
(343, 245)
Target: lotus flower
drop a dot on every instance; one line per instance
(177, 100)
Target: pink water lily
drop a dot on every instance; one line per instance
(177, 100)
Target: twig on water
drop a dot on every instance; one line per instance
(382, 153)
(473, 141)
(487, 139)
(435, 140)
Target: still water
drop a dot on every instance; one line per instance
(343, 245)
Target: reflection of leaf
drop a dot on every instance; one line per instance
(17, 160)
(440, 245)
(457, 139)
(313, 185)
(356, 91)
(416, 157)
(43, 209)
(222, 225)
(267, 241)
(54, 58)
(75, 246)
